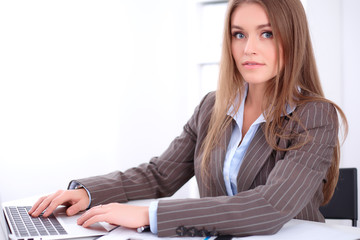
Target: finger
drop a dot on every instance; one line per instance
(47, 201)
(54, 203)
(90, 213)
(74, 209)
(94, 219)
(36, 205)
(42, 206)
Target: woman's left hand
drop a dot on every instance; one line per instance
(118, 214)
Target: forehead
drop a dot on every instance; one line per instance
(249, 14)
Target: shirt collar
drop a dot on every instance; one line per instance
(239, 115)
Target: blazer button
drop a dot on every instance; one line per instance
(181, 231)
(204, 233)
(192, 232)
(214, 233)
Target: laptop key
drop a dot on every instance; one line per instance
(40, 228)
(24, 225)
(49, 227)
(57, 225)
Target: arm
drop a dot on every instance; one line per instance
(291, 185)
(162, 176)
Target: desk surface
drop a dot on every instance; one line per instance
(294, 229)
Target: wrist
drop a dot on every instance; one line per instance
(145, 212)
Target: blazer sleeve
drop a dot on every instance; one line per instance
(161, 177)
(290, 186)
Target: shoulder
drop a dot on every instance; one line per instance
(316, 113)
(315, 106)
(200, 119)
(205, 108)
(208, 100)
(316, 109)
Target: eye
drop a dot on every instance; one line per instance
(238, 35)
(267, 35)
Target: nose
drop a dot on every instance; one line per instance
(250, 47)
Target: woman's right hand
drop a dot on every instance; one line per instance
(77, 200)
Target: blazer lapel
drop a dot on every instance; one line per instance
(218, 156)
(255, 157)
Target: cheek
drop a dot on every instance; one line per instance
(273, 57)
(236, 52)
(233, 51)
(271, 53)
(278, 62)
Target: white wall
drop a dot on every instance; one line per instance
(87, 87)
(351, 87)
(334, 26)
(325, 22)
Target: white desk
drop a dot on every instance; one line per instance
(293, 230)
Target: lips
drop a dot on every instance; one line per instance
(252, 65)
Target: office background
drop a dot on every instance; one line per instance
(88, 87)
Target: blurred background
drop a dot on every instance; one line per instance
(88, 87)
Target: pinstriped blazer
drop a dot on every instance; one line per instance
(273, 186)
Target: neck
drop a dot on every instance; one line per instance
(255, 96)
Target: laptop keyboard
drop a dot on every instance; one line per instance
(24, 225)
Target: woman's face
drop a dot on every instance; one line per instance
(253, 46)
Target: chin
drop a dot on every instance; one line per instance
(255, 80)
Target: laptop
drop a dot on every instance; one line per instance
(17, 224)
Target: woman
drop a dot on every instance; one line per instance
(264, 148)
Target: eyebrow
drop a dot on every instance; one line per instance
(258, 27)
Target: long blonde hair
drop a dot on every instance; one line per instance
(290, 29)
